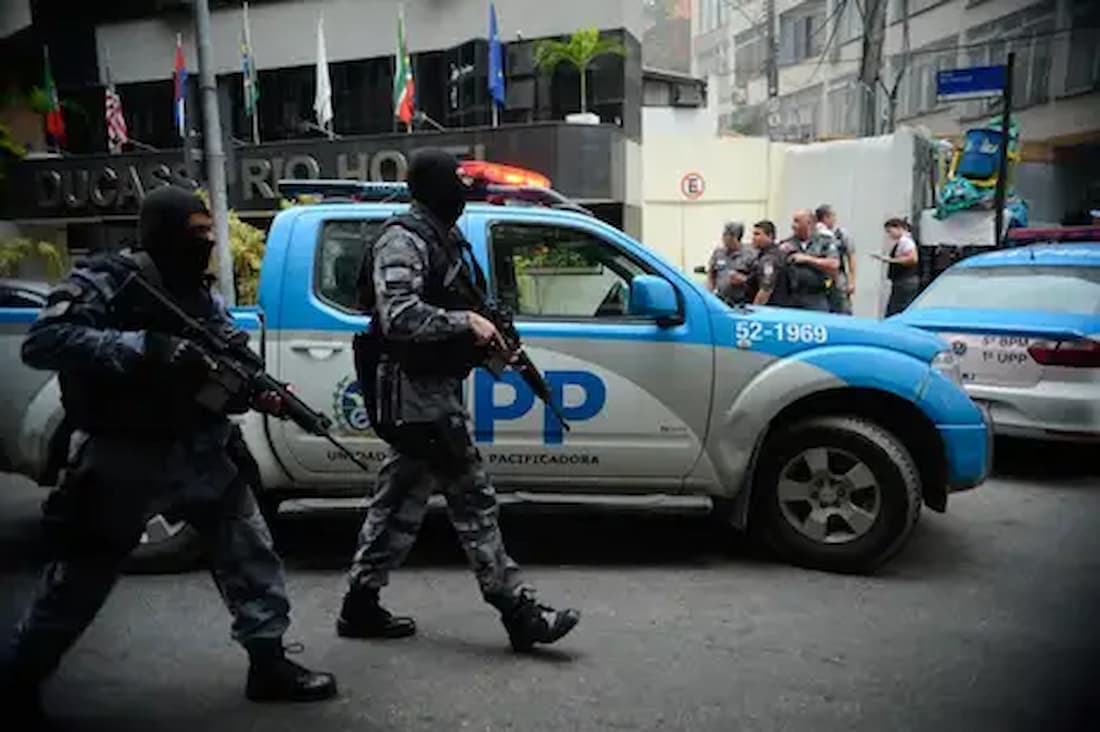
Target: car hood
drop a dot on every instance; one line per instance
(1033, 323)
(842, 330)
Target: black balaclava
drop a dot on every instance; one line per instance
(435, 184)
(181, 257)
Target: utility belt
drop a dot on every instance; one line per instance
(379, 365)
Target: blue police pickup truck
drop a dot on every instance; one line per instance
(823, 435)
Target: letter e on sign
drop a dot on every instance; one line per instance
(692, 186)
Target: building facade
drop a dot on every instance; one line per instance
(132, 44)
(819, 44)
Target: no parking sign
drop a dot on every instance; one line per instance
(692, 186)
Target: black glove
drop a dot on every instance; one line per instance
(181, 356)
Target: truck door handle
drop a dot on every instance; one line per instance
(317, 350)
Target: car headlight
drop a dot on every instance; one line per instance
(948, 365)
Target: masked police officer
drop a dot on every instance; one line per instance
(143, 446)
(812, 263)
(425, 334)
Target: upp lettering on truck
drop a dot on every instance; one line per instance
(488, 410)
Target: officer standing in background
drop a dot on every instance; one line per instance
(143, 446)
(813, 262)
(411, 365)
(768, 283)
(844, 286)
(730, 265)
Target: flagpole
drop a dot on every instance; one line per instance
(253, 73)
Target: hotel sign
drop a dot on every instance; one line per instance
(114, 185)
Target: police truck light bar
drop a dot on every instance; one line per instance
(491, 183)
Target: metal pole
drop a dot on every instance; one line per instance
(1002, 163)
(215, 157)
(772, 106)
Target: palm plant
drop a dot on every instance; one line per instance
(579, 51)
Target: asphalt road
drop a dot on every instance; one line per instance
(988, 621)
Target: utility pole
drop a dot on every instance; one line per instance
(1002, 163)
(215, 156)
(772, 105)
(870, 63)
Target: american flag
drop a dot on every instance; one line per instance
(116, 123)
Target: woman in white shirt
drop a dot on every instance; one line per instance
(902, 271)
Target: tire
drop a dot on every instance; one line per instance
(166, 547)
(835, 516)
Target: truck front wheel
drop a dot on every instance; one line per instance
(836, 493)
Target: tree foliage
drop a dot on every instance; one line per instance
(16, 250)
(583, 47)
(246, 246)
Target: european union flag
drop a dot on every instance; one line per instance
(496, 64)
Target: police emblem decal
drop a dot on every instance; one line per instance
(349, 408)
(959, 348)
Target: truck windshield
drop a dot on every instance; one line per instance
(1059, 289)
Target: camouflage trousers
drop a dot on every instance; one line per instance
(98, 516)
(397, 509)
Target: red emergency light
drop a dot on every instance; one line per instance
(1054, 234)
(506, 175)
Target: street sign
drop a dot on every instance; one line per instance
(692, 186)
(970, 83)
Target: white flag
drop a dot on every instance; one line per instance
(322, 102)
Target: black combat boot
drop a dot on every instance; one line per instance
(272, 677)
(528, 622)
(362, 617)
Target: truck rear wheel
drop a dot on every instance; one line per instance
(836, 493)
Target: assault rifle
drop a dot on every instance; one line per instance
(240, 371)
(458, 278)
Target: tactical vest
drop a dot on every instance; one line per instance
(805, 279)
(452, 357)
(144, 402)
(439, 263)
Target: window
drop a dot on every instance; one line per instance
(801, 33)
(800, 114)
(843, 105)
(1028, 34)
(917, 93)
(338, 256)
(1084, 47)
(560, 272)
(915, 6)
(1016, 288)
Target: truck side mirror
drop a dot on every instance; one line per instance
(654, 297)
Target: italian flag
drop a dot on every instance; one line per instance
(55, 123)
(403, 88)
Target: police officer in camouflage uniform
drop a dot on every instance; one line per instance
(813, 263)
(422, 336)
(143, 446)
